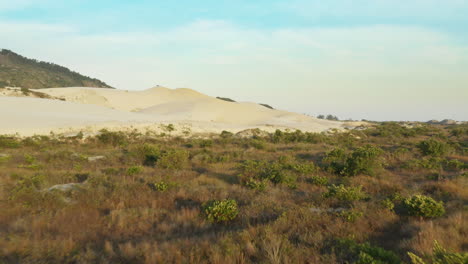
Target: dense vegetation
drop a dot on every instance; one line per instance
(18, 71)
(388, 194)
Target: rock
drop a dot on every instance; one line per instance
(65, 187)
(95, 158)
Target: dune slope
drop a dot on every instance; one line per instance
(96, 108)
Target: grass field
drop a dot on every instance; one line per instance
(388, 194)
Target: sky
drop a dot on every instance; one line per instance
(359, 59)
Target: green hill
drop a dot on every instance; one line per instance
(18, 71)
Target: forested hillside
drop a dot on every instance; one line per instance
(19, 71)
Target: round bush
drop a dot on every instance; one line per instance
(423, 206)
(433, 147)
(221, 211)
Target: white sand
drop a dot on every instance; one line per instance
(89, 109)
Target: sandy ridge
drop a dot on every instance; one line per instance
(91, 109)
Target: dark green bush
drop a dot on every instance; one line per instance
(9, 142)
(205, 143)
(454, 165)
(26, 187)
(349, 251)
(275, 172)
(335, 160)
(318, 180)
(161, 186)
(350, 215)
(432, 147)
(441, 256)
(388, 203)
(267, 106)
(226, 134)
(297, 136)
(459, 131)
(226, 99)
(423, 206)
(151, 154)
(134, 170)
(363, 160)
(112, 138)
(221, 211)
(173, 159)
(257, 144)
(255, 184)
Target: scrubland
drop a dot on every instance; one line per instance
(387, 194)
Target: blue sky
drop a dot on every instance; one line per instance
(372, 59)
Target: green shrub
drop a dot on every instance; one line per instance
(31, 163)
(349, 251)
(112, 138)
(221, 211)
(335, 160)
(26, 188)
(9, 142)
(275, 172)
(350, 215)
(134, 170)
(206, 143)
(226, 134)
(454, 165)
(441, 256)
(173, 159)
(423, 206)
(432, 147)
(363, 160)
(388, 203)
(161, 186)
(257, 144)
(255, 184)
(318, 180)
(343, 193)
(459, 131)
(304, 168)
(167, 128)
(297, 136)
(151, 154)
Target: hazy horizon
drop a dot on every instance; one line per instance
(375, 60)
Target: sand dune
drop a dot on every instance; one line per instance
(92, 109)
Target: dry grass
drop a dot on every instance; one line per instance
(116, 216)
